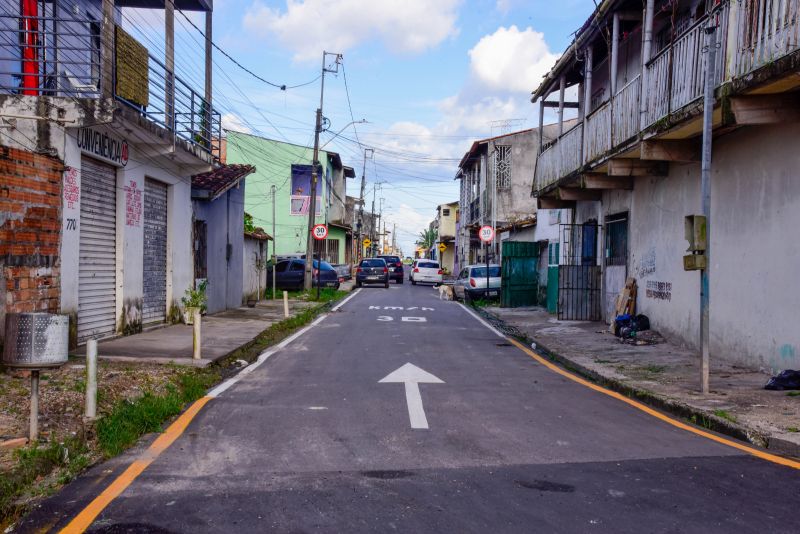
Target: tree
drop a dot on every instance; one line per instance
(427, 238)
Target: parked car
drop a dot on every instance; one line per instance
(471, 282)
(290, 274)
(426, 271)
(395, 265)
(372, 271)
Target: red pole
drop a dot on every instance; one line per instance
(30, 47)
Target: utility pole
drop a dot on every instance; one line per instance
(361, 198)
(312, 208)
(274, 254)
(394, 241)
(705, 189)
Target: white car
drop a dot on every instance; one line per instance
(426, 271)
(471, 283)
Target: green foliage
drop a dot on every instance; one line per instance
(196, 298)
(725, 415)
(35, 462)
(793, 394)
(427, 238)
(249, 226)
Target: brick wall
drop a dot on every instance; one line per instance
(30, 232)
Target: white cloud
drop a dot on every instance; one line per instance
(307, 27)
(231, 121)
(512, 60)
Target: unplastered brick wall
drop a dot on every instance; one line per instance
(30, 232)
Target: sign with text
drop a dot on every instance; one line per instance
(103, 146)
(486, 233)
(320, 232)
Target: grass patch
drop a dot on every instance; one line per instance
(655, 369)
(67, 458)
(129, 419)
(792, 429)
(725, 415)
(793, 394)
(326, 294)
(701, 421)
(598, 360)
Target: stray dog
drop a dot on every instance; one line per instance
(446, 292)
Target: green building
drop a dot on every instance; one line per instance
(288, 167)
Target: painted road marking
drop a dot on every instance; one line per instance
(86, 517)
(480, 320)
(412, 376)
(794, 464)
(345, 301)
(413, 319)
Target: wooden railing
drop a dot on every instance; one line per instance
(625, 107)
(597, 133)
(765, 31)
(561, 158)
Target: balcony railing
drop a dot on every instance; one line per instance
(765, 31)
(561, 158)
(597, 135)
(55, 54)
(190, 116)
(625, 111)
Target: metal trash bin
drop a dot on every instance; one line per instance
(36, 340)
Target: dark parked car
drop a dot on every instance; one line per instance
(395, 266)
(372, 271)
(289, 274)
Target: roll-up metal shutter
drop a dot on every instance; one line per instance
(97, 268)
(154, 304)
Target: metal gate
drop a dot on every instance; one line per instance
(579, 276)
(97, 267)
(154, 301)
(520, 282)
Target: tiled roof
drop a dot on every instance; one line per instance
(259, 234)
(221, 179)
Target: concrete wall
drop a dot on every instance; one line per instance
(252, 250)
(225, 224)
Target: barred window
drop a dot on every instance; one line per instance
(503, 166)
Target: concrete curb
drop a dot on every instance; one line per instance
(690, 414)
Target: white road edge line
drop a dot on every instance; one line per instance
(264, 356)
(480, 320)
(345, 301)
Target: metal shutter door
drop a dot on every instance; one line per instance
(97, 270)
(154, 303)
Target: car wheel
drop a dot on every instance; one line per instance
(413, 282)
(358, 284)
(398, 281)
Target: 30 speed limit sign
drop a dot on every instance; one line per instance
(486, 233)
(320, 232)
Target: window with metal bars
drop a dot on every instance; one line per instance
(503, 169)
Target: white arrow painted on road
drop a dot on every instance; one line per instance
(412, 376)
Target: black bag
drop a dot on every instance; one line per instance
(784, 380)
(640, 323)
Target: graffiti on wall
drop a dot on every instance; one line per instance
(133, 204)
(659, 290)
(647, 265)
(72, 190)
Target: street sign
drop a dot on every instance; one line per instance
(367, 242)
(320, 232)
(486, 233)
(442, 247)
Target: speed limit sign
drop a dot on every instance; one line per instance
(486, 233)
(320, 232)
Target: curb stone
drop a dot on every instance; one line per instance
(686, 412)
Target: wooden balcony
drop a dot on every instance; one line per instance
(562, 158)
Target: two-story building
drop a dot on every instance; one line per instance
(445, 224)
(99, 140)
(629, 170)
(288, 169)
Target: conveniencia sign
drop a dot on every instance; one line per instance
(103, 146)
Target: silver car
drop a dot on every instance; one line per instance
(471, 282)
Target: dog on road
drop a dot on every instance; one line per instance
(445, 292)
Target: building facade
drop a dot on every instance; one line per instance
(629, 170)
(98, 157)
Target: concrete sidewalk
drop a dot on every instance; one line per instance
(222, 333)
(666, 376)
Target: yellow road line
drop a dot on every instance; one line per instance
(639, 406)
(84, 519)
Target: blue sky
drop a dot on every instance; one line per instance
(428, 76)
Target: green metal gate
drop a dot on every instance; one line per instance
(520, 283)
(552, 277)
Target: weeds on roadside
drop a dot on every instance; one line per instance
(793, 394)
(725, 415)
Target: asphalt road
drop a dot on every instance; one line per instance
(312, 441)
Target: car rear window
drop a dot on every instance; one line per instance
(373, 263)
(478, 272)
(391, 259)
(427, 265)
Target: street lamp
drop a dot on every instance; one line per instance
(362, 121)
